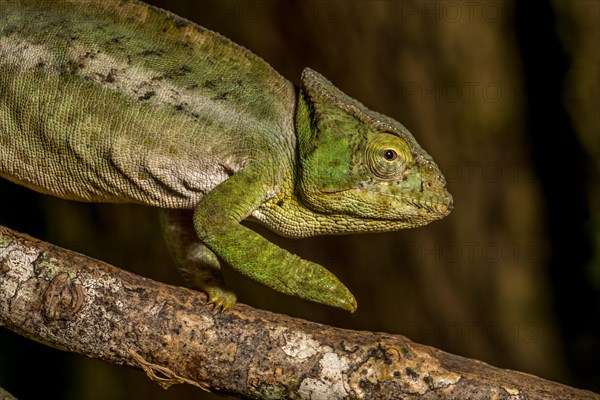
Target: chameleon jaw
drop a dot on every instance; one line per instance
(379, 205)
(441, 205)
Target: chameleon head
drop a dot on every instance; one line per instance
(359, 163)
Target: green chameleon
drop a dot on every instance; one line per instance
(118, 101)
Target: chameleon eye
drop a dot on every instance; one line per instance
(387, 156)
(390, 154)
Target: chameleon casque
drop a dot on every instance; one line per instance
(119, 101)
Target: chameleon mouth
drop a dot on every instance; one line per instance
(378, 205)
(440, 205)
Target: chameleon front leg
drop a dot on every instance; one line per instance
(216, 219)
(198, 265)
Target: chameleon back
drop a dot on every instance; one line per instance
(130, 104)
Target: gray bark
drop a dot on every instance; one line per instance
(72, 302)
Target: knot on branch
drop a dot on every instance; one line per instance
(62, 299)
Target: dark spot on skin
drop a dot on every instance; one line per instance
(117, 39)
(192, 86)
(179, 72)
(146, 96)
(406, 353)
(185, 108)
(397, 374)
(40, 65)
(101, 26)
(110, 78)
(71, 67)
(428, 381)
(209, 84)
(221, 96)
(149, 52)
(247, 55)
(280, 203)
(178, 22)
(411, 372)
(9, 30)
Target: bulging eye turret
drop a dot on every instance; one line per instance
(387, 156)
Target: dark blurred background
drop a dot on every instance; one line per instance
(504, 95)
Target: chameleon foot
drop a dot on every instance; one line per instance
(222, 299)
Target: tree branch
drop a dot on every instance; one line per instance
(4, 395)
(72, 302)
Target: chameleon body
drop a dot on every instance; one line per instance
(118, 101)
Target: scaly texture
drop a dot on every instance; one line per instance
(122, 102)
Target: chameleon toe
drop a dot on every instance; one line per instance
(222, 299)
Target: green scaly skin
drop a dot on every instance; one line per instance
(107, 101)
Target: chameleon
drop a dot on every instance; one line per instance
(123, 102)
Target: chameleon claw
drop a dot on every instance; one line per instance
(222, 299)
